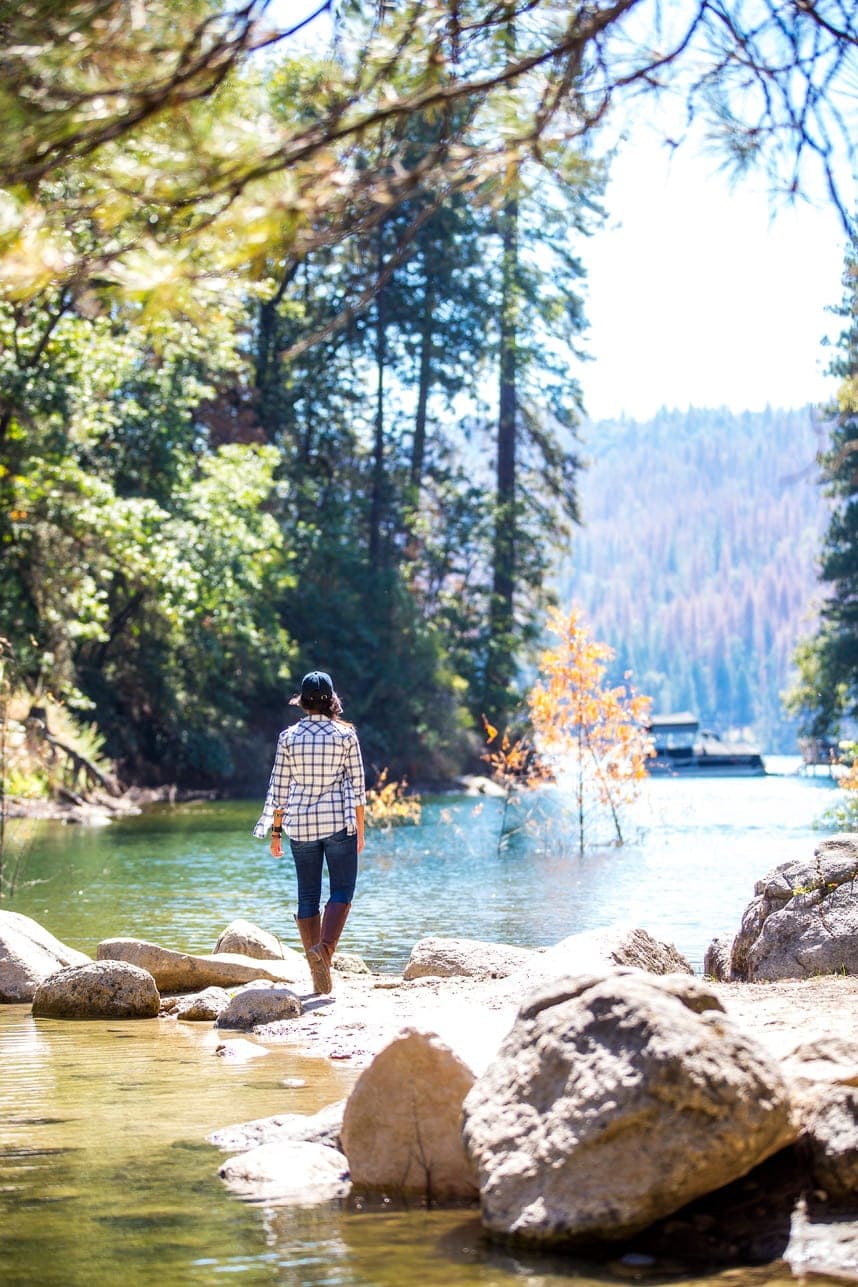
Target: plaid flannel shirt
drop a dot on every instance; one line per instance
(317, 779)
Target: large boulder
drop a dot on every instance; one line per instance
(803, 919)
(184, 972)
(444, 958)
(243, 938)
(28, 956)
(288, 1174)
(98, 990)
(401, 1128)
(258, 1003)
(615, 1100)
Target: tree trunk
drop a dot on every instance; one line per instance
(427, 343)
(377, 498)
(501, 650)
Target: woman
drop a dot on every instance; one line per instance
(317, 789)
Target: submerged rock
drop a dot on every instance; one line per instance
(308, 1128)
(614, 1101)
(29, 954)
(184, 972)
(243, 938)
(98, 990)
(803, 919)
(401, 1128)
(240, 1051)
(288, 1173)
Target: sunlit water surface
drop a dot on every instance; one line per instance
(105, 1176)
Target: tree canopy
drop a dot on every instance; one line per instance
(147, 119)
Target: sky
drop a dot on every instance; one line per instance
(700, 292)
(705, 293)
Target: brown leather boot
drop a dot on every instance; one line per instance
(310, 929)
(336, 915)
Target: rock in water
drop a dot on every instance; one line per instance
(288, 1174)
(28, 956)
(401, 1127)
(803, 919)
(198, 1007)
(99, 990)
(614, 1101)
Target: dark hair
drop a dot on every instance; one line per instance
(321, 704)
(317, 695)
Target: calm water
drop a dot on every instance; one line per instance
(105, 1175)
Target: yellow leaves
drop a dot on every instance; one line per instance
(387, 804)
(513, 760)
(586, 728)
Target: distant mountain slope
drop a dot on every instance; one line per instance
(697, 559)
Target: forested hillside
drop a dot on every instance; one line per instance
(698, 555)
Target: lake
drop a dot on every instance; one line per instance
(105, 1175)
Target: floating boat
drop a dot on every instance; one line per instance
(682, 747)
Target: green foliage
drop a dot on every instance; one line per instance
(139, 557)
(827, 686)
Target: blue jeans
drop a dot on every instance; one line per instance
(340, 853)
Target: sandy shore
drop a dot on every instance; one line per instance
(366, 1011)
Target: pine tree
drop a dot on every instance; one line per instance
(827, 689)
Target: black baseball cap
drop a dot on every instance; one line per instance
(316, 686)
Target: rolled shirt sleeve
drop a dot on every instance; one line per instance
(278, 787)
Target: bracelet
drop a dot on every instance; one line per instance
(276, 831)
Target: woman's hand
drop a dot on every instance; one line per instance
(276, 833)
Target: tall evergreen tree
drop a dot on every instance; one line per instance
(827, 688)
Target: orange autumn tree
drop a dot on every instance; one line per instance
(589, 732)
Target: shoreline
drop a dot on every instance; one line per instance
(99, 808)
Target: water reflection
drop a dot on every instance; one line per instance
(105, 1175)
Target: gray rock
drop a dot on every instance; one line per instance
(288, 1174)
(259, 1003)
(28, 956)
(98, 990)
(401, 1125)
(349, 963)
(833, 1060)
(184, 972)
(803, 919)
(717, 960)
(243, 938)
(831, 1137)
(199, 1007)
(614, 1101)
(616, 945)
(464, 957)
(298, 1128)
